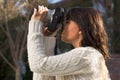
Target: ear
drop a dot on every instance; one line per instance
(80, 36)
(80, 32)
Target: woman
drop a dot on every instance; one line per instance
(83, 29)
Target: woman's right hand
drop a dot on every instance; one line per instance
(39, 15)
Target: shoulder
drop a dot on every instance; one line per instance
(85, 50)
(92, 52)
(88, 52)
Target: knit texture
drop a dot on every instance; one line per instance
(82, 63)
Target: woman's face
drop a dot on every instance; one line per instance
(71, 32)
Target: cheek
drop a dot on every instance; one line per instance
(65, 34)
(67, 31)
(72, 31)
(69, 34)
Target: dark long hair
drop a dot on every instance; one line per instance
(93, 31)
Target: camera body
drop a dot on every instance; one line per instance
(54, 19)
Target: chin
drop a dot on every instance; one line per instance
(64, 40)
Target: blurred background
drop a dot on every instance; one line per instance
(14, 18)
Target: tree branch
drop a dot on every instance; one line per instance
(1, 54)
(10, 40)
(17, 42)
(3, 29)
(23, 47)
(23, 44)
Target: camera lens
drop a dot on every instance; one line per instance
(57, 18)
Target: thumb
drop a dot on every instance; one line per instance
(34, 14)
(35, 11)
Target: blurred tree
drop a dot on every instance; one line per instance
(15, 39)
(116, 27)
(14, 18)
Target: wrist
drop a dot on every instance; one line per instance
(35, 26)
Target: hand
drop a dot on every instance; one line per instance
(40, 14)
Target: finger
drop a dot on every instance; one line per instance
(39, 9)
(46, 8)
(45, 28)
(35, 11)
(42, 8)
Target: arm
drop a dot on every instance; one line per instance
(48, 47)
(65, 64)
(39, 16)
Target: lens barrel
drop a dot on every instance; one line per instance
(57, 18)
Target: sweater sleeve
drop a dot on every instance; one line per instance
(71, 62)
(38, 76)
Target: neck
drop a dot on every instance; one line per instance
(76, 44)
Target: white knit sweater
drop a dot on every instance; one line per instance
(82, 63)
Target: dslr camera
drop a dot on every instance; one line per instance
(53, 20)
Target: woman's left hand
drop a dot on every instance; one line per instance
(39, 15)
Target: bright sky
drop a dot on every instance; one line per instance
(54, 1)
